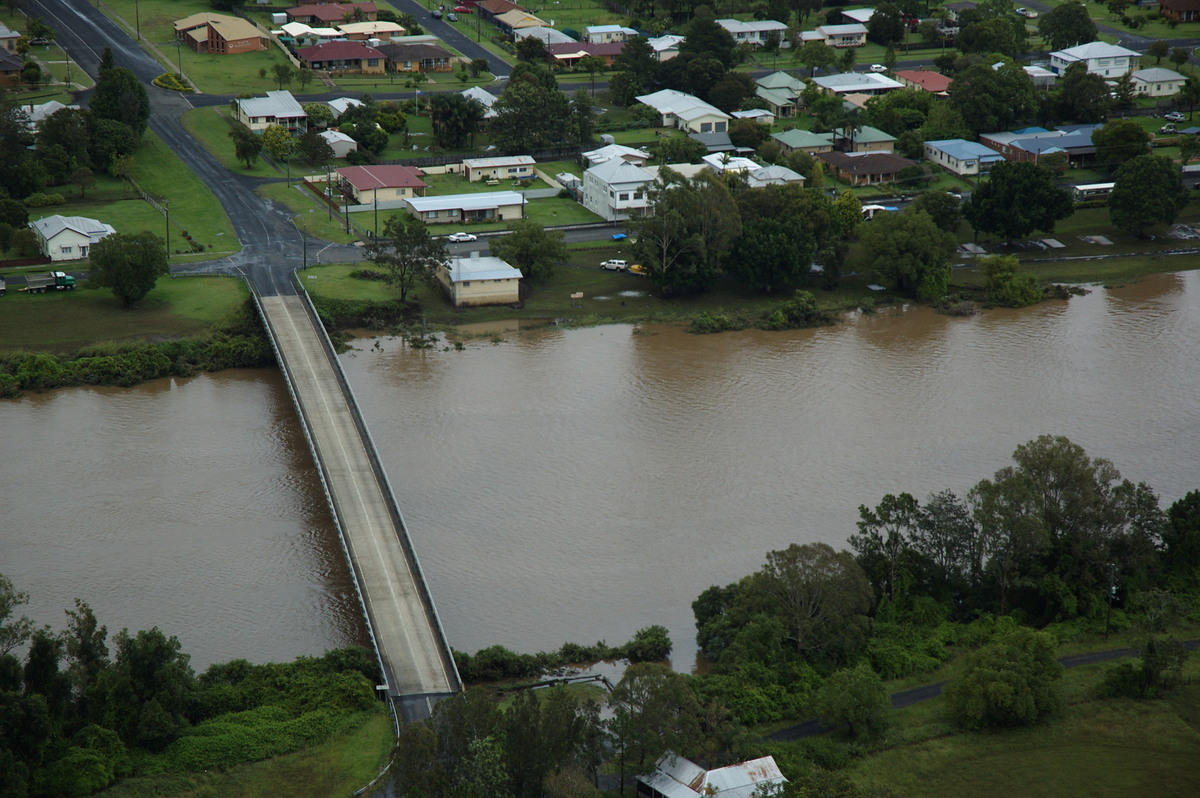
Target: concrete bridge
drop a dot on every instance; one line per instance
(417, 664)
(415, 659)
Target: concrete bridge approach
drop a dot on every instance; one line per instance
(417, 664)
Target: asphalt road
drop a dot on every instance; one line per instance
(907, 698)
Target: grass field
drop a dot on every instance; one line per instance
(1097, 748)
(193, 207)
(218, 74)
(65, 321)
(457, 184)
(211, 128)
(336, 767)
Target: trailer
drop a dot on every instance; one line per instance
(3, 287)
(41, 283)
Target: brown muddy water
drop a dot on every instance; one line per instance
(573, 485)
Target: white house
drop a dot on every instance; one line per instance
(852, 35)
(962, 157)
(68, 237)
(1105, 60)
(1157, 82)
(343, 104)
(722, 162)
(277, 108)
(547, 35)
(616, 189)
(605, 34)
(755, 31)
(485, 206)
(772, 176)
(857, 83)
(665, 47)
(859, 15)
(676, 109)
(609, 151)
(483, 97)
(480, 281)
(505, 167)
(341, 144)
(36, 114)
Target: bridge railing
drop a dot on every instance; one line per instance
(321, 470)
(393, 505)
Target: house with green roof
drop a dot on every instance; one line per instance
(864, 139)
(797, 140)
(781, 92)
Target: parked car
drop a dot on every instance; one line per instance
(1168, 129)
(452, 17)
(39, 41)
(436, 13)
(462, 9)
(878, 68)
(614, 265)
(618, 236)
(1028, 13)
(458, 237)
(1174, 116)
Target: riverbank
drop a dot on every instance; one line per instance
(82, 337)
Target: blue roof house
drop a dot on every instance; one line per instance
(961, 157)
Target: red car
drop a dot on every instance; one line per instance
(463, 9)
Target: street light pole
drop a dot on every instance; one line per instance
(167, 209)
(137, 19)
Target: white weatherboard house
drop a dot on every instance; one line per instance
(69, 237)
(616, 189)
(485, 206)
(676, 109)
(1157, 82)
(755, 31)
(1105, 60)
(480, 281)
(604, 34)
(505, 167)
(277, 108)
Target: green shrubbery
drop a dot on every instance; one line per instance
(497, 662)
(40, 199)
(172, 81)
(239, 345)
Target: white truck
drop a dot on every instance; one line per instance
(615, 265)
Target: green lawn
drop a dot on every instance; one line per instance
(338, 766)
(176, 308)
(216, 74)
(193, 207)
(211, 128)
(457, 184)
(1101, 749)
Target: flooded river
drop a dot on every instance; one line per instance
(573, 485)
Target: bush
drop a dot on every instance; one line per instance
(172, 82)
(708, 323)
(1007, 683)
(39, 199)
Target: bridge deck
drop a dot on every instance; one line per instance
(415, 658)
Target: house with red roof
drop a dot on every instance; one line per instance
(932, 82)
(368, 184)
(344, 56)
(332, 13)
(569, 54)
(490, 9)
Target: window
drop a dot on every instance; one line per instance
(372, 62)
(431, 214)
(512, 170)
(65, 250)
(720, 127)
(637, 195)
(624, 198)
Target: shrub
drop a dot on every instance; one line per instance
(39, 199)
(708, 323)
(1007, 683)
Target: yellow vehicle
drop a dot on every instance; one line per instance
(638, 268)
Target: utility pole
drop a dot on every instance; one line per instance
(137, 19)
(167, 211)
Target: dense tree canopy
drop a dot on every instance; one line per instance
(1120, 140)
(910, 251)
(1067, 25)
(1017, 198)
(456, 119)
(1080, 96)
(1007, 683)
(1149, 190)
(127, 263)
(531, 248)
(120, 96)
(994, 99)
